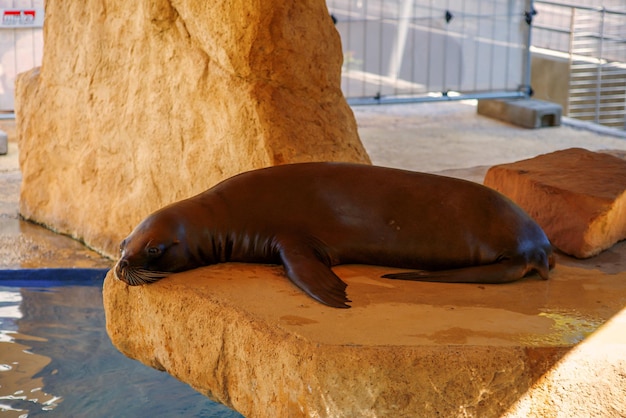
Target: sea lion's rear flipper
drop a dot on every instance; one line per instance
(501, 272)
(305, 269)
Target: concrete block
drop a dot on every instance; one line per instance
(4, 143)
(550, 77)
(529, 113)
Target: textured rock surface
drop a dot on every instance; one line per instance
(243, 335)
(588, 382)
(140, 104)
(577, 196)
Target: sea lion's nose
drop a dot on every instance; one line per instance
(119, 268)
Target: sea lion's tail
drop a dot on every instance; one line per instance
(506, 271)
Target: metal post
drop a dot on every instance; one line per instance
(599, 69)
(397, 53)
(527, 75)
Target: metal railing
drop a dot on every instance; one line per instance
(594, 39)
(417, 50)
(21, 44)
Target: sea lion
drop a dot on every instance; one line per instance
(311, 216)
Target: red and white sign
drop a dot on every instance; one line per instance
(21, 18)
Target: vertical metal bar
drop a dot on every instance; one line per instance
(397, 51)
(365, 23)
(477, 43)
(527, 75)
(411, 54)
(599, 70)
(572, 20)
(493, 44)
(444, 69)
(507, 49)
(381, 20)
(346, 45)
(571, 28)
(463, 31)
(428, 44)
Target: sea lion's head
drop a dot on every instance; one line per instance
(156, 248)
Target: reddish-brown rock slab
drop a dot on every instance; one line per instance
(577, 196)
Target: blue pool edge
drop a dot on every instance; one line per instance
(48, 277)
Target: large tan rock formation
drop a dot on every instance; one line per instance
(577, 196)
(245, 336)
(138, 104)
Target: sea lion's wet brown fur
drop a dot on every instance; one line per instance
(311, 216)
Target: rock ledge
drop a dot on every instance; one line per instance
(244, 336)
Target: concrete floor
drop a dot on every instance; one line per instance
(434, 137)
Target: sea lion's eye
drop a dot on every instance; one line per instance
(122, 245)
(154, 251)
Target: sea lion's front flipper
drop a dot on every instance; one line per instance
(307, 271)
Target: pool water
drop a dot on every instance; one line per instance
(56, 359)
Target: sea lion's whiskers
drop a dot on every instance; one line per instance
(139, 276)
